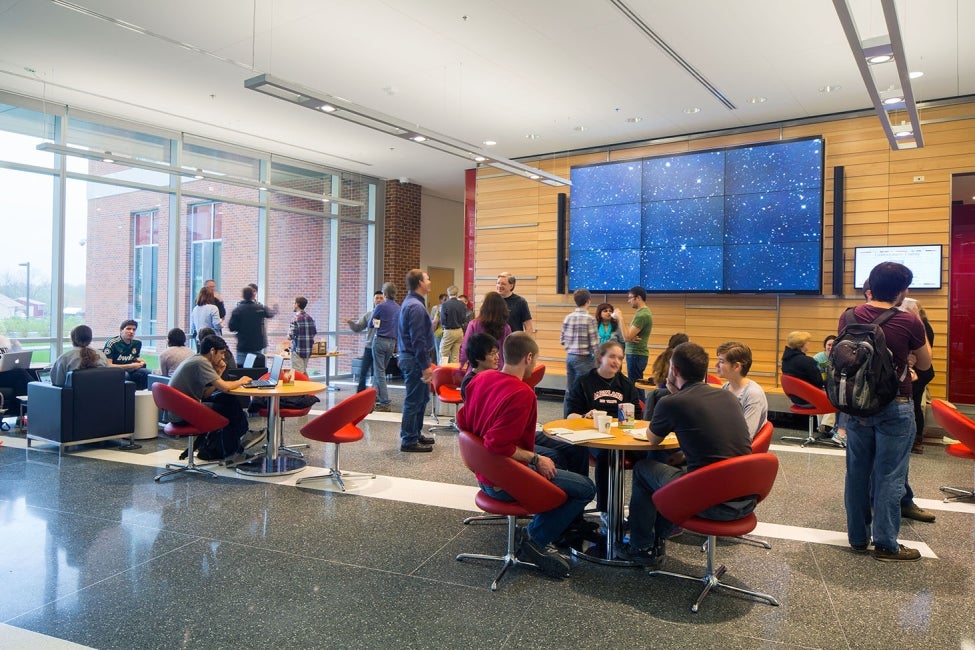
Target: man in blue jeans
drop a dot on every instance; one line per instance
(385, 320)
(878, 446)
(637, 335)
(502, 410)
(414, 342)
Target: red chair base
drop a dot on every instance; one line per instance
(335, 473)
(958, 450)
(810, 438)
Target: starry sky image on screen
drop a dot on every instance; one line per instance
(686, 176)
(774, 167)
(777, 268)
(599, 270)
(685, 269)
(609, 184)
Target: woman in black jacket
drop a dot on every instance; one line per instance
(798, 364)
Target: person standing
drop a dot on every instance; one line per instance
(453, 318)
(878, 446)
(414, 342)
(501, 409)
(365, 323)
(519, 315)
(608, 324)
(247, 320)
(205, 313)
(302, 336)
(580, 340)
(638, 334)
(385, 319)
(221, 309)
(437, 324)
(492, 319)
(123, 351)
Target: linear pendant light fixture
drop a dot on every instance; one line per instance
(872, 54)
(351, 112)
(186, 172)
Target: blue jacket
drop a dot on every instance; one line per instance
(415, 336)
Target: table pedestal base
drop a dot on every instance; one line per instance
(597, 555)
(279, 466)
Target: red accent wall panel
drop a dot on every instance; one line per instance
(961, 312)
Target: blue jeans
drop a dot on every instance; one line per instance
(415, 403)
(366, 369)
(576, 365)
(877, 452)
(548, 526)
(646, 524)
(635, 365)
(383, 349)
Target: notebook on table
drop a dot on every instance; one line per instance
(14, 360)
(272, 380)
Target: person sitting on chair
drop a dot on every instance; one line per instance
(710, 427)
(482, 353)
(79, 356)
(502, 410)
(123, 351)
(734, 362)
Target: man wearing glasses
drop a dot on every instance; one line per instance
(638, 334)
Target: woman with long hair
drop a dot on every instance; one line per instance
(661, 365)
(206, 313)
(608, 324)
(78, 357)
(493, 320)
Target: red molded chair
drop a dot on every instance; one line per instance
(198, 420)
(446, 390)
(532, 493)
(338, 425)
(536, 377)
(284, 414)
(793, 386)
(960, 427)
(682, 499)
(714, 380)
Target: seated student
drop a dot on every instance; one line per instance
(228, 358)
(79, 356)
(797, 363)
(123, 351)
(482, 354)
(661, 365)
(502, 410)
(710, 427)
(200, 378)
(15, 380)
(602, 390)
(175, 353)
(734, 362)
(822, 357)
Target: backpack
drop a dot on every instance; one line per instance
(860, 375)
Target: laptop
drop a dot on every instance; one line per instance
(271, 381)
(14, 360)
(44, 375)
(233, 374)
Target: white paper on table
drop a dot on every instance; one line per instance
(581, 436)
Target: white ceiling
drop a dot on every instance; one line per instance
(575, 73)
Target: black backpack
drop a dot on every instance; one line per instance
(860, 377)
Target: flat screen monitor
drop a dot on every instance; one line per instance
(744, 219)
(924, 262)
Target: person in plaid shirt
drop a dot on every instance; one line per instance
(302, 336)
(580, 338)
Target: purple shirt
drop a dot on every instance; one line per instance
(904, 332)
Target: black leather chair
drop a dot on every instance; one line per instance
(94, 404)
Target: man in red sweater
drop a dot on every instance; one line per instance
(502, 410)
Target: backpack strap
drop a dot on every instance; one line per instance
(885, 316)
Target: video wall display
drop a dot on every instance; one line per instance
(738, 220)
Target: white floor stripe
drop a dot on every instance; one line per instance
(15, 637)
(817, 536)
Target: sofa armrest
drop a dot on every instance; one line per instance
(49, 411)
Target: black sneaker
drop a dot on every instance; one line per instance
(646, 557)
(859, 548)
(416, 447)
(252, 438)
(550, 562)
(427, 440)
(902, 554)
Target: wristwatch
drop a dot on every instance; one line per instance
(534, 462)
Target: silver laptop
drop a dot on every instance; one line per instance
(272, 380)
(13, 360)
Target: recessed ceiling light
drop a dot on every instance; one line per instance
(489, 143)
(915, 75)
(328, 108)
(532, 136)
(830, 89)
(418, 138)
(880, 58)
(757, 100)
(690, 110)
(479, 158)
(634, 120)
(890, 101)
(534, 177)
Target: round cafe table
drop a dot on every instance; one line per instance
(621, 442)
(273, 464)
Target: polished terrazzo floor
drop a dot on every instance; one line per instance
(95, 553)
